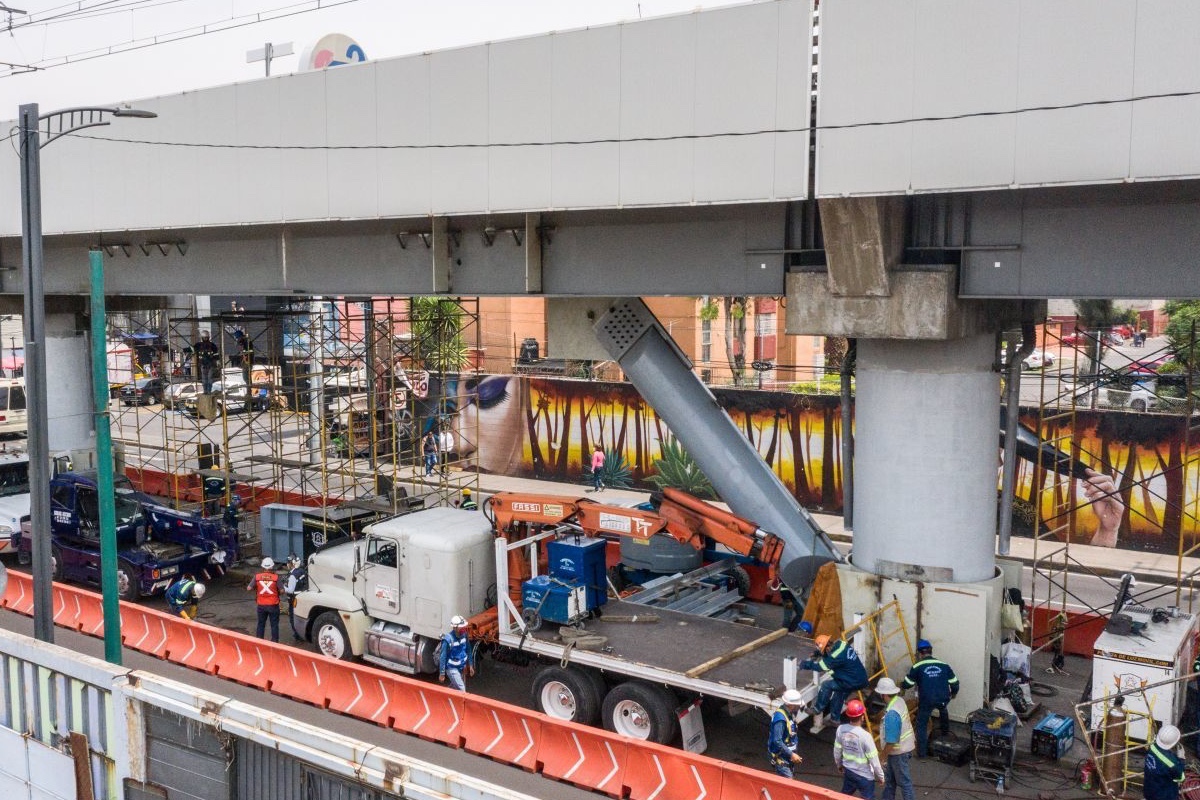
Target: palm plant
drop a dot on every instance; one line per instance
(437, 328)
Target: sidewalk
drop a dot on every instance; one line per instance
(1104, 561)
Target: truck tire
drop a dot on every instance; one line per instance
(641, 711)
(1138, 405)
(128, 587)
(566, 693)
(330, 637)
(741, 579)
(56, 563)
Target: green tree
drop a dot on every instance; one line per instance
(1183, 330)
(1094, 317)
(735, 337)
(437, 328)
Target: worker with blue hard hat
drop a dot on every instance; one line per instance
(936, 686)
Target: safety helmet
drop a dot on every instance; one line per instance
(198, 591)
(924, 645)
(466, 492)
(806, 628)
(792, 697)
(268, 563)
(1168, 737)
(822, 641)
(457, 622)
(855, 709)
(887, 686)
(235, 500)
(293, 560)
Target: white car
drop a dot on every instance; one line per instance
(1038, 359)
(177, 394)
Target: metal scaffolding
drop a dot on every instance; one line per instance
(321, 403)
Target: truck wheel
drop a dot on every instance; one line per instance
(641, 711)
(566, 693)
(56, 563)
(127, 582)
(741, 579)
(1138, 405)
(331, 638)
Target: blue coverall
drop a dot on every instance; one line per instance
(936, 686)
(848, 675)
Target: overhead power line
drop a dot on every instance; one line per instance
(668, 138)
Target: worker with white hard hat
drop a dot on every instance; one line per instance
(265, 585)
(898, 741)
(785, 735)
(456, 656)
(1164, 767)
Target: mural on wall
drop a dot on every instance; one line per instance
(542, 427)
(1152, 460)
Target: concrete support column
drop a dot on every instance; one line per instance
(925, 463)
(69, 388)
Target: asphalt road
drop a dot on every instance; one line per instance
(431, 752)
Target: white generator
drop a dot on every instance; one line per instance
(1150, 646)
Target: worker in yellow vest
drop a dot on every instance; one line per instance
(898, 741)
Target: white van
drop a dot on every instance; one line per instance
(13, 415)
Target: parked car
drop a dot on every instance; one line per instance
(228, 401)
(1038, 359)
(143, 391)
(179, 393)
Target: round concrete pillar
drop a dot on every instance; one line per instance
(926, 417)
(68, 389)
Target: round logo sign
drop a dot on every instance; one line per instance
(334, 50)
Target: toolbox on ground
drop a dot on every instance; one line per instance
(1053, 736)
(950, 750)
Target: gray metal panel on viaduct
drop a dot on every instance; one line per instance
(666, 156)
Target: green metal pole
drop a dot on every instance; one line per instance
(104, 459)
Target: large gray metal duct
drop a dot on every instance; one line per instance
(663, 376)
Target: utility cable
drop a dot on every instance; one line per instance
(652, 139)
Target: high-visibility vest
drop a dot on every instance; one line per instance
(907, 742)
(266, 589)
(791, 736)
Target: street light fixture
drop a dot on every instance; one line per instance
(58, 124)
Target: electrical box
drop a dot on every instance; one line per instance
(580, 561)
(552, 601)
(1138, 653)
(1053, 736)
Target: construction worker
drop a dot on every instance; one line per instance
(898, 741)
(855, 755)
(265, 585)
(183, 597)
(467, 501)
(297, 581)
(847, 674)
(1164, 767)
(456, 656)
(785, 736)
(936, 687)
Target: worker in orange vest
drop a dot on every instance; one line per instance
(265, 586)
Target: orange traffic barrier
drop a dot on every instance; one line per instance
(365, 692)
(298, 674)
(654, 772)
(503, 732)
(741, 782)
(245, 659)
(583, 756)
(192, 645)
(430, 712)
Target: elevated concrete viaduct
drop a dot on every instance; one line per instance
(966, 161)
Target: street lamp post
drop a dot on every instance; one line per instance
(32, 140)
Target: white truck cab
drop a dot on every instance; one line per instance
(389, 596)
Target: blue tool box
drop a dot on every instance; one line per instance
(1053, 736)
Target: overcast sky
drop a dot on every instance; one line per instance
(383, 28)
